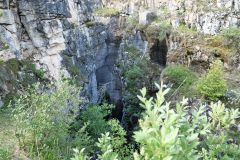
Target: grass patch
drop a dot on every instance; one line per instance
(107, 12)
(185, 29)
(8, 141)
(90, 24)
(9, 145)
(182, 80)
(179, 74)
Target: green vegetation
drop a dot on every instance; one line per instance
(4, 153)
(39, 114)
(179, 135)
(93, 118)
(13, 65)
(212, 85)
(184, 29)
(94, 115)
(6, 131)
(105, 148)
(74, 70)
(1, 13)
(28, 66)
(218, 47)
(90, 24)
(232, 33)
(179, 74)
(233, 36)
(170, 134)
(8, 98)
(132, 21)
(164, 132)
(107, 12)
(4, 45)
(44, 120)
(224, 45)
(138, 71)
(17, 75)
(182, 80)
(159, 29)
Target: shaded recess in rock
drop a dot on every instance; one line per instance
(108, 78)
(158, 52)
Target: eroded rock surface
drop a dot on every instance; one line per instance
(67, 35)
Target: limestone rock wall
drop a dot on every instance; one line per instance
(37, 29)
(208, 16)
(60, 35)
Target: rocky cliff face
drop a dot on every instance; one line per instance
(68, 37)
(54, 34)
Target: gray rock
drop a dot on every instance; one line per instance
(1, 104)
(49, 30)
(146, 17)
(6, 17)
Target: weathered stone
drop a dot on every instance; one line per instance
(146, 17)
(49, 30)
(6, 17)
(1, 104)
(4, 4)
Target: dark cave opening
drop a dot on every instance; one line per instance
(110, 86)
(158, 52)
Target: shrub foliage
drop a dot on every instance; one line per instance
(212, 85)
(43, 120)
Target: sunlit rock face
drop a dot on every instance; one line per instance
(51, 32)
(60, 34)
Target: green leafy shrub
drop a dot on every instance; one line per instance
(93, 124)
(43, 120)
(133, 52)
(170, 134)
(106, 148)
(118, 140)
(95, 116)
(82, 139)
(9, 98)
(133, 76)
(79, 155)
(93, 119)
(138, 72)
(180, 133)
(212, 85)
